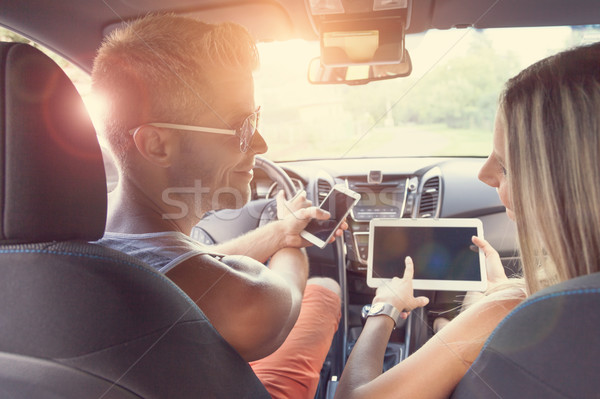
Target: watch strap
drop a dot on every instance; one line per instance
(386, 309)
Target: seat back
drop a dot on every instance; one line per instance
(77, 318)
(548, 347)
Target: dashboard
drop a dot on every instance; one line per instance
(418, 187)
(406, 187)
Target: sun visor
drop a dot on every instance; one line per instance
(362, 41)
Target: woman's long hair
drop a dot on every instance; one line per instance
(550, 113)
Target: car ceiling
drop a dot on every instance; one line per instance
(74, 28)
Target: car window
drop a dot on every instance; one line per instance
(445, 108)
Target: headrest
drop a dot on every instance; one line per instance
(53, 186)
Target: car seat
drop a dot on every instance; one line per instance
(78, 320)
(548, 347)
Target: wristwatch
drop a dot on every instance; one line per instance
(386, 309)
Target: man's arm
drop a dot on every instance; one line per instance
(263, 242)
(253, 307)
(259, 244)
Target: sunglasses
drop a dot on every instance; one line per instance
(244, 133)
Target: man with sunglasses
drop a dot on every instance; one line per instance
(182, 124)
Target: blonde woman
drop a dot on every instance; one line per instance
(545, 168)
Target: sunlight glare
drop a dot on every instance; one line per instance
(97, 106)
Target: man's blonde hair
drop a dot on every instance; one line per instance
(161, 68)
(550, 113)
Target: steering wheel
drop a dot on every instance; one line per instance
(223, 225)
(276, 173)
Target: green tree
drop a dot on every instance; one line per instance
(461, 92)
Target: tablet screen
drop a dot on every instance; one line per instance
(438, 253)
(444, 256)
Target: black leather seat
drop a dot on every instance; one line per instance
(548, 347)
(78, 320)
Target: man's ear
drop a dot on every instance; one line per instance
(155, 145)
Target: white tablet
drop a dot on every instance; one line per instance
(444, 256)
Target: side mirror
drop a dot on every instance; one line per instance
(318, 73)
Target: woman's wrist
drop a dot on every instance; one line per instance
(381, 321)
(380, 308)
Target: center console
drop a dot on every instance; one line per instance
(380, 197)
(383, 196)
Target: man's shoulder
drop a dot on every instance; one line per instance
(161, 250)
(165, 250)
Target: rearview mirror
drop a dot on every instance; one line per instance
(357, 74)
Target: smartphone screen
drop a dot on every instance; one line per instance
(337, 204)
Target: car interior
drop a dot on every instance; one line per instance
(80, 320)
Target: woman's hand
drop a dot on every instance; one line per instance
(494, 270)
(399, 292)
(493, 264)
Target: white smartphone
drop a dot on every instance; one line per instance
(338, 203)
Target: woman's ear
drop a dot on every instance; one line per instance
(156, 145)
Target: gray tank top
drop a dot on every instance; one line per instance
(162, 251)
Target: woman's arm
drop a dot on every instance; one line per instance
(366, 360)
(431, 372)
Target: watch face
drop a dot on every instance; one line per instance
(376, 308)
(364, 312)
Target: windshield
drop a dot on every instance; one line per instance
(445, 108)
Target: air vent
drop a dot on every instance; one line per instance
(429, 198)
(323, 188)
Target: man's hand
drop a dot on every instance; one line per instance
(296, 214)
(287, 207)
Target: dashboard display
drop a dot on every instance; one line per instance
(373, 198)
(385, 200)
